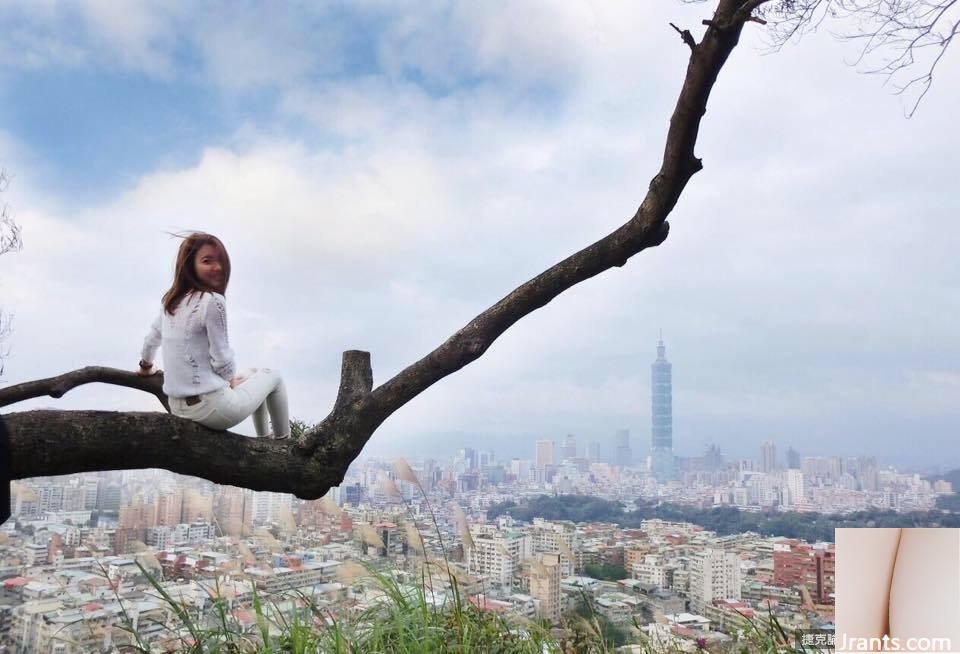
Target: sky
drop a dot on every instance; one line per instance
(383, 172)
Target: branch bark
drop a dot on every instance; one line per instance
(57, 386)
(62, 442)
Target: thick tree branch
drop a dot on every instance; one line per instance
(49, 442)
(356, 379)
(61, 442)
(5, 474)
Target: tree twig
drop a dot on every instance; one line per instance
(686, 37)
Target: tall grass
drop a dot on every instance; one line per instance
(405, 621)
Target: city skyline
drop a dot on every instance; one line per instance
(737, 482)
(510, 447)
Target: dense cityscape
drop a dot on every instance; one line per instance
(87, 560)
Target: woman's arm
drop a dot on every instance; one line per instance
(864, 572)
(151, 343)
(215, 320)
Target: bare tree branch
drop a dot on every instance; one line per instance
(897, 38)
(57, 386)
(10, 241)
(47, 442)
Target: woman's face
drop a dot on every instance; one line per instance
(209, 266)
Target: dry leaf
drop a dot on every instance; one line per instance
(348, 572)
(329, 506)
(449, 571)
(23, 492)
(388, 485)
(149, 562)
(268, 539)
(462, 525)
(589, 627)
(370, 536)
(286, 520)
(246, 555)
(414, 539)
(404, 471)
(232, 526)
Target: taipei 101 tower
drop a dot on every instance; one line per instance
(661, 442)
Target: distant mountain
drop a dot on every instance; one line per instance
(953, 477)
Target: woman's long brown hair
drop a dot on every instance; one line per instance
(185, 279)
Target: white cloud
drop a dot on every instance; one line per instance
(139, 37)
(135, 36)
(265, 47)
(525, 42)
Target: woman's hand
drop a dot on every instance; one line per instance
(239, 379)
(147, 372)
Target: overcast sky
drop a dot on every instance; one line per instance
(382, 172)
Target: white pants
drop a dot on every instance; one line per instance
(260, 394)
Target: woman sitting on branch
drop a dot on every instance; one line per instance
(200, 376)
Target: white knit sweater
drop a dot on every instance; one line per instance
(196, 353)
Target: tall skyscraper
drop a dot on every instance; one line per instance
(768, 456)
(233, 510)
(569, 447)
(169, 507)
(622, 448)
(520, 468)
(593, 451)
(712, 458)
(794, 487)
(268, 506)
(661, 441)
(793, 458)
(469, 457)
(544, 454)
